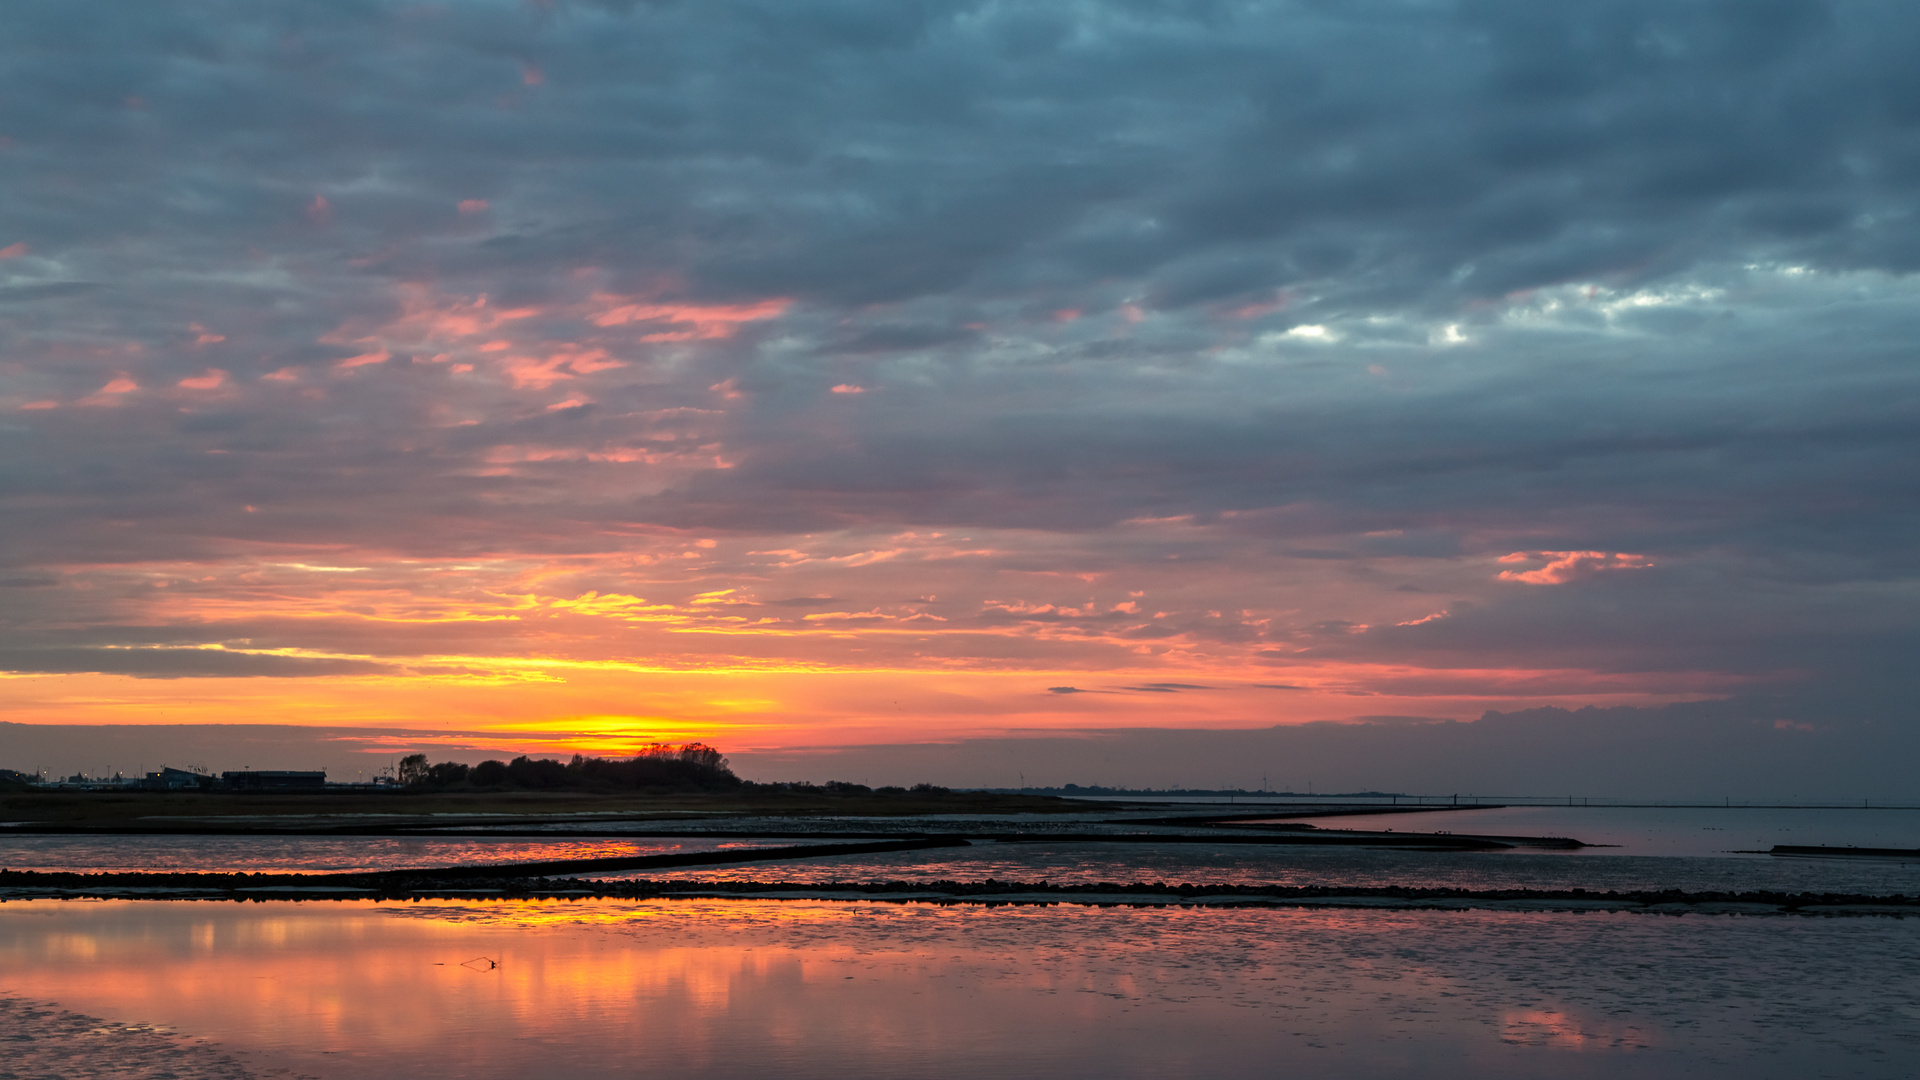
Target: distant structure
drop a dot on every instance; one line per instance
(171, 779)
(274, 780)
(83, 782)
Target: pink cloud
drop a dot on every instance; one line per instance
(211, 379)
(320, 211)
(1260, 307)
(529, 372)
(591, 360)
(473, 206)
(1565, 566)
(849, 388)
(427, 324)
(423, 318)
(566, 363)
(515, 342)
(14, 250)
(702, 321)
(112, 393)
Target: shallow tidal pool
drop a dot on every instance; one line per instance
(712, 988)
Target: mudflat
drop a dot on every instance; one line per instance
(323, 812)
(48, 1041)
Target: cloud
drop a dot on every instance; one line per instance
(177, 663)
(211, 379)
(1564, 566)
(1365, 302)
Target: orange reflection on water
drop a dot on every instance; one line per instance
(1565, 1030)
(579, 989)
(722, 988)
(341, 983)
(294, 855)
(342, 979)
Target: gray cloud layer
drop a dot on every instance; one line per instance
(1378, 286)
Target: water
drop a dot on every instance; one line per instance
(736, 988)
(1637, 848)
(1070, 863)
(313, 854)
(1669, 831)
(729, 989)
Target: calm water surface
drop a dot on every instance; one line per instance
(1664, 830)
(1065, 863)
(1697, 849)
(762, 988)
(313, 854)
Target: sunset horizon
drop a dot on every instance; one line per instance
(1067, 539)
(499, 373)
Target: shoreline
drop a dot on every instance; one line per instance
(243, 888)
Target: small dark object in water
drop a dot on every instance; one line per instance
(1846, 852)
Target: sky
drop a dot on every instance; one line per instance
(844, 382)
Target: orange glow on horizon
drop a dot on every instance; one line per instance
(771, 643)
(610, 708)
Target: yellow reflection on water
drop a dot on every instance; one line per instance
(66, 947)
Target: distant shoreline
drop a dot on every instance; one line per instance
(19, 886)
(139, 810)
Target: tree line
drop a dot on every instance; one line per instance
(692, 767)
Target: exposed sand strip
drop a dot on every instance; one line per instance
(39, 1041)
